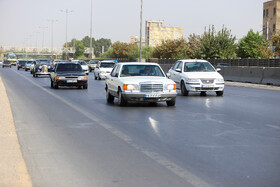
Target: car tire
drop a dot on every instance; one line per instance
(33, 75)
(18, 68)
(109, 97)
(25, 69)
(85, 86)
(55, 86)
(202, 93)
(51, 84)
(99, 77)
(184, 90)
(220, 93)
(121, 101)
(172, 102)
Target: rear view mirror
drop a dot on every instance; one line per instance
(218, 69)
(168, 75)
(178, 70)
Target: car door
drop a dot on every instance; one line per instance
(172, 71)
(177, 73)
(113, 80)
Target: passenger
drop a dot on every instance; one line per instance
(125, 72)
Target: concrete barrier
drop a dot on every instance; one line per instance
(271, 76)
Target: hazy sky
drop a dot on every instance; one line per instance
(120, 19)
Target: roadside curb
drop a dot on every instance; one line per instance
(251, 85)
(13, 170)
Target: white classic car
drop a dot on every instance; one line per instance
(83, 64)
(139, 82)
(103, 69)
(197, 76)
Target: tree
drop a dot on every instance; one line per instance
(122, 50)
(79, 49)
(276, 43)
(97, 44)
(253, 45)
(218, 44)
(194, 46)
(172, 49)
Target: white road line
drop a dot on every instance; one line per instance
(174, 168)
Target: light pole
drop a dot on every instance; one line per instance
(66, 12)
(43, 28)
(36, 33)
(52, 22)
(140, 46)
(90, 42)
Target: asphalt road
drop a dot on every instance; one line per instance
(72, 137)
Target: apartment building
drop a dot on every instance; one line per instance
(271, 18)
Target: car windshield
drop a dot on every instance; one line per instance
(69, 67)
(198, 67)
(44, 62)
(29, 62)
(21, 62)
(82, 62)
(107, 64)
(6, 62)
(141, 70)
(93, 62)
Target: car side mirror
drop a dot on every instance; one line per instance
(179, 70)
(218, 69)
(168, 75)
(117, 74)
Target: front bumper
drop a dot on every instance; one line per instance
(205, 87)
(104, 75)
(149, 97)
(6, 65)
(78, 83)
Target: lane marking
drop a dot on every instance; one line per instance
(174, 168)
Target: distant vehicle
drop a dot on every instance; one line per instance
(21, 64)
(103, 69)
(57, 61)
(1, 62)
(28, 65)
(92, 64)
(139, 82)
(42, 67)
(6, 63)
(197, 76)
(68, 74)
(83, 64)
(12, 58)
(223, 64)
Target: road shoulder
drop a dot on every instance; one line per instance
(251, 85)
(13, 170)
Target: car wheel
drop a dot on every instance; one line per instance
(55, 86)
(184, 90)
(172, 102)
(219, 93)
(109, 97)
(33, 75)
(25, 69)
(85, 86)
(202, 93)
(18, 68)
(99, 77)
(51, 84)
(121, 101)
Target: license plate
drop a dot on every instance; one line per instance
(71, 81)
(207, 86)
(153, 95)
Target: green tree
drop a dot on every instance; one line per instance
(218, 44)
(79, 49)
(172, 49)
(194, 46)
(97, 44)
(122, 50)
(276, 43)
(253, 45)
(147, 52)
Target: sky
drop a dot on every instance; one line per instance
(118, 20)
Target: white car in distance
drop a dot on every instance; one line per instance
(197, 76)
(139, 82)
(103, 69)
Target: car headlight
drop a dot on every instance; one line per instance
(171, 86)
(102, 72)
(82, 77)
(130, 87)
(193, 80)
(220, 81)
(59, 78)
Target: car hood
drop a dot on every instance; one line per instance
(106, 69)
(202, 75)
(84, 67)
(146, 80)
(70, 74)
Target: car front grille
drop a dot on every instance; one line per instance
(151, 88)
(207, 81)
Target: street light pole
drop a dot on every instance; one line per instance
(52, 22)
(140, 46)
(66, 12)
(43, 28)
(90, 42)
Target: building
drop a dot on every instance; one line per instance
(271, 18)
(136, 40)
(156, 33)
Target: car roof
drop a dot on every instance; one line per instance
(193, 60)
(68, 62)
(138, 63)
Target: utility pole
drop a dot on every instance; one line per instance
(52, 22)
(90, 42)
(66, 12)
(140, 46)
(43, 28)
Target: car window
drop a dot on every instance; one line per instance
(68, 67)
(180, 65)
(141, 70)
(198, 67)
(115, 71)
(175, 65)
(82, 62)
(107, 64)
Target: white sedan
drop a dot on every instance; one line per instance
(103, 69)
(83, 64)
(139, 82)
(197, 76)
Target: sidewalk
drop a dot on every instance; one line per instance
(13, 171)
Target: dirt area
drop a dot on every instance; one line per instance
(13, 171)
